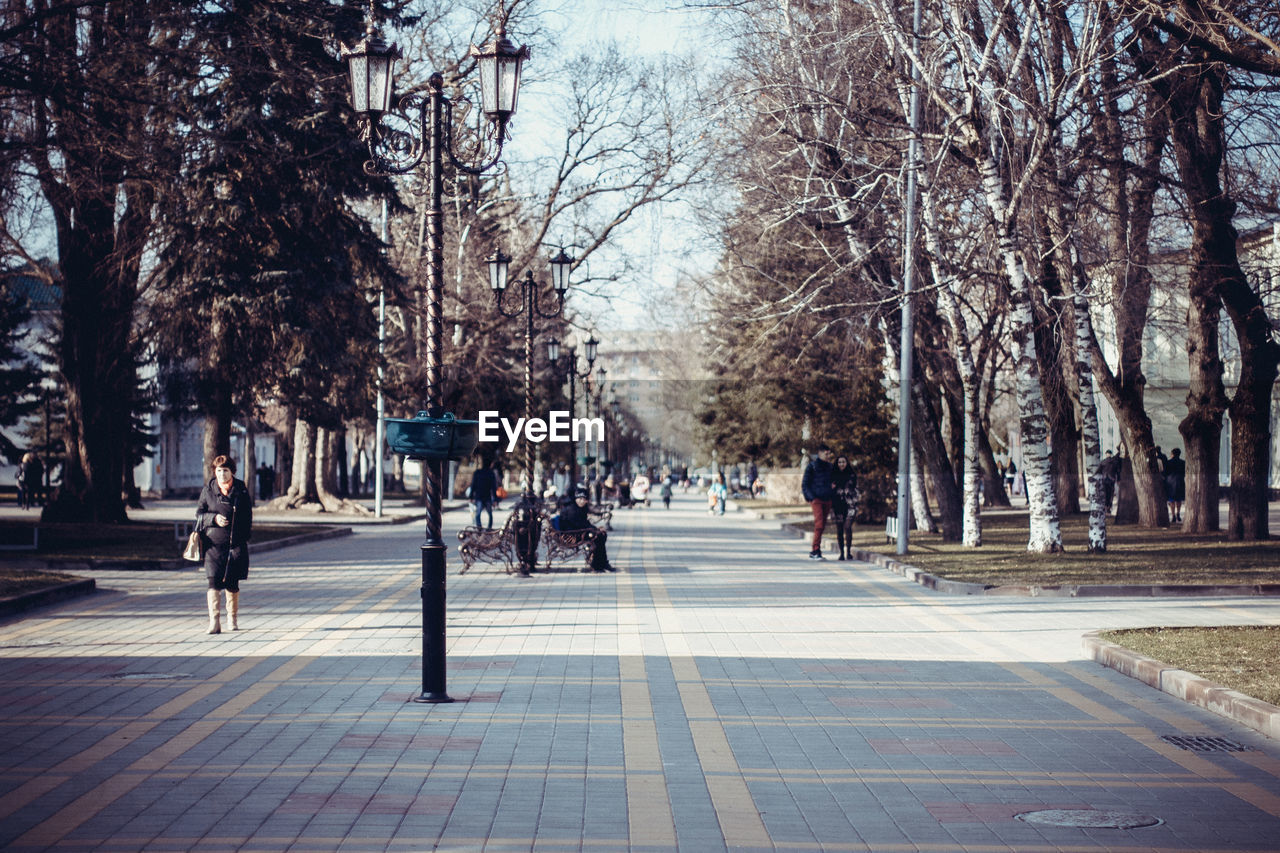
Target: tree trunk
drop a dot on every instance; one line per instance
(1128, 198)
(1051, 353)
(250, 462)
(920, 512)
(1044, 534)
(970, 385)
(993, 490)
(927, 434)
(73, 134)
(1088, 410)
(1201, 429)
(1194, 90)
(302, 485)
(327, 463)
(217, 423)
(285, 440)
(340, 460)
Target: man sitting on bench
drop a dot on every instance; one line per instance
(574, 517)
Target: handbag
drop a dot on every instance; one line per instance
(195, 547)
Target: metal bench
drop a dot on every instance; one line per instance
(601, 515)
(564, 545)
(498, 546)
(481, 545)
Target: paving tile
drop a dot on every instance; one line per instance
(721, 692)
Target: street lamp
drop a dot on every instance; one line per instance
(601, 373)
(527, 532)
(396, 151)
(570, 368)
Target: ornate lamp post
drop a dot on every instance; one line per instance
(526, 508)
(601, 445)
(570, 368)
(422, 131)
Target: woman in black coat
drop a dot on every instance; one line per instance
(844, 483)
(1175, 484)
(224, 517)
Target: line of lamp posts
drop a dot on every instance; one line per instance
(420, 131)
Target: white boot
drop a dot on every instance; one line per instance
(215, 600)
(233, 610)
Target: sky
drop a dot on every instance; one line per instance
(656, 242)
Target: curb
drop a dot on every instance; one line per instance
(49, 595)
(1098, 590)
(73, 564)
(1258, 715)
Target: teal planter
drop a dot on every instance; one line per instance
(425, 437)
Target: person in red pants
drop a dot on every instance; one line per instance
(816, 485)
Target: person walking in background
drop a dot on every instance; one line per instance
(30, 480)
(483, 491)
(1109, 468)
(666, 491)
(224, 517)
(717, 493)
(1175, 484)
(266, 481)
(844, 502)
(816, 487)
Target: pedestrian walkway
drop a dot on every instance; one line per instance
(721, 691)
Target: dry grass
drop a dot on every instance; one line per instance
(15, 582)
(100, 541)
(1134, 555)
(136, 540)
(1242, 658)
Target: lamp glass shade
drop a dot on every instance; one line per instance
(553, 349)
(592, 346)
(371, 64)
(499, 267)
(499, 63)
(600, 374)
(561, 266)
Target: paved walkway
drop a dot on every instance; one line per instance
(719, 692)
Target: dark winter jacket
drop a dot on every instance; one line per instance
(1175, 479)
(816, 482)
(844, 485)
(574, 517)
(227, 554)
(484, 485)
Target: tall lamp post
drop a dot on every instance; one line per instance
(601, 440)
(570, 367)
(526, 508)
(394, 150)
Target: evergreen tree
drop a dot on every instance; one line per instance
(265, 260)
(19, 375)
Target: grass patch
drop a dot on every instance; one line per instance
(14, 582)
(135, 540)
(1242, 658)
(1135, 555)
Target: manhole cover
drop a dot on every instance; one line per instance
(1089, 818)
(150, 676)
(1200, 743)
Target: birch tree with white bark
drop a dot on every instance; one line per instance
(977, 62)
